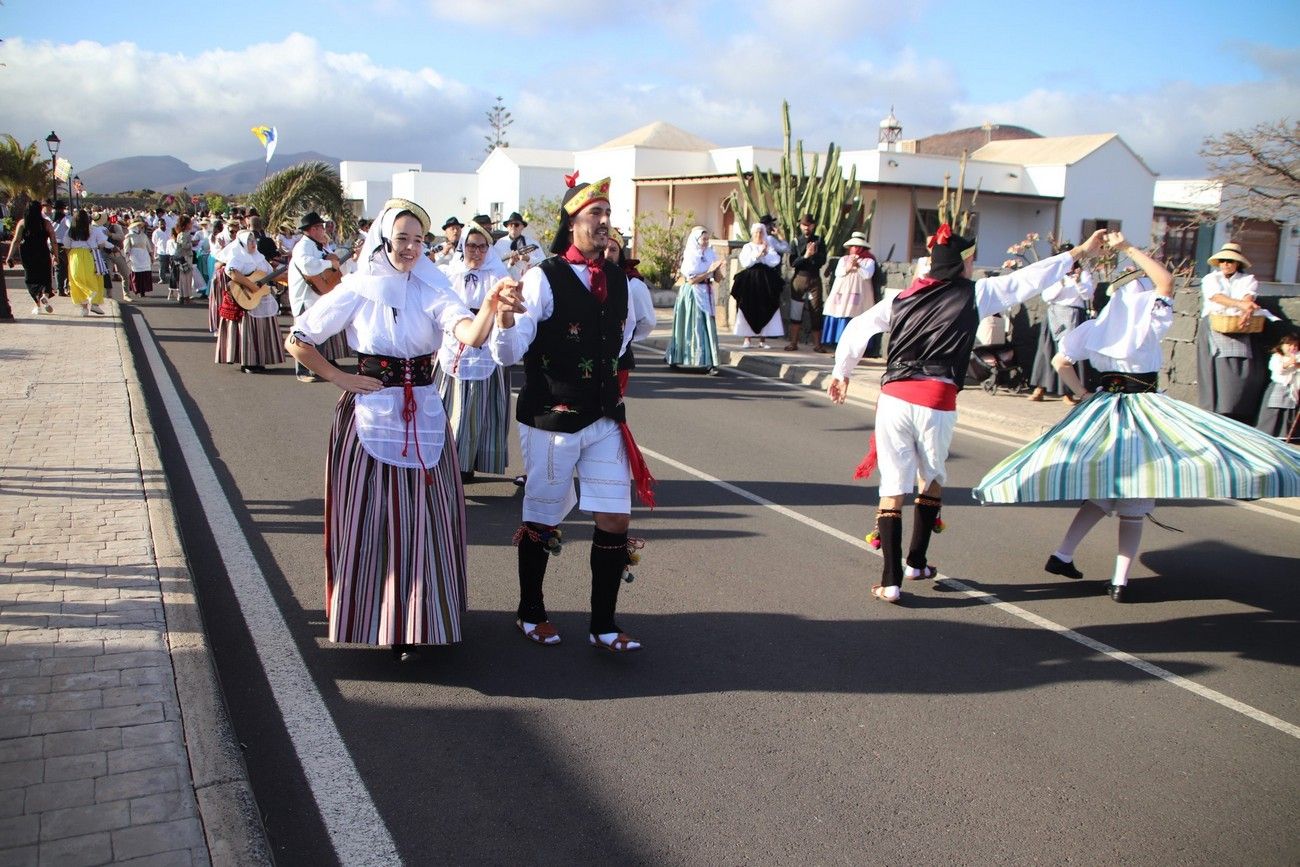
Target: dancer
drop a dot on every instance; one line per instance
(578, 321)
(694, 341)
(475, 389)
(931, 329)
(757, 290)
(394, 508)
(1067, 308)
(1129, 445)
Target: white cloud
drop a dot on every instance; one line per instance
(108, 101)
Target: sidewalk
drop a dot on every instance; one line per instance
(114, 742)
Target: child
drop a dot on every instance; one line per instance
(1277, 413)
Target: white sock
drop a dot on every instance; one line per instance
(1130, 536)
(1084, 520)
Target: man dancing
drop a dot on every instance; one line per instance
(931, 329)
(577, 322)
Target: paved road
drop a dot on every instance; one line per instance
(777, 713)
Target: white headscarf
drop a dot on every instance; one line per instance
(236, 257)
(377, 279)
(755, 231)
(694, 259)
(1125, 322)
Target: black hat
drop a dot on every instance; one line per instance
(483, 220)
(767, 219)
(516, 217)
(309, 219)
(452, 221)
(948, 253)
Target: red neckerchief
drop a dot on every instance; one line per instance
(595, 270)
(629, 268)
(919, 285)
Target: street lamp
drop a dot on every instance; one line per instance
(52, 142)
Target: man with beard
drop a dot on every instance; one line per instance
(578, 320)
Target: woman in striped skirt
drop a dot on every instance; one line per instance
(1128, 444)
(251, 337)
(473, 386)
(394, 507)
(694, 341)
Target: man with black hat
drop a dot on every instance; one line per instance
(774, 239)
(577, 322)
(807, 259)
(515, 240)
(931, 327)
(449, 252)
(311, 259)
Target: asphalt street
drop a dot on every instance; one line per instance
(777, 713)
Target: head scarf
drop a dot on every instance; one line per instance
(695, 259)
(756, 230)
(377, 279)
(236, 257)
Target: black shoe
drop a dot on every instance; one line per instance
(405, 652)
(520, 481)
(1057, 566)
(466, 478)
(712, 371)
(1117, 592)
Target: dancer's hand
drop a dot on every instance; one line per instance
(838, 389)
(1092, 246)
(355, 383)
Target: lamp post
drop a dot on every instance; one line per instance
(52, 142)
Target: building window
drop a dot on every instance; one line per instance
(1178, 236)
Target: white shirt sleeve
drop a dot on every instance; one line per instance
(859, 331)
(643, 308)
(995, 294)
(329, 316)
(509, 345)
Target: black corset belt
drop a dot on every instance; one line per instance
(1128, 383)
(397, 371)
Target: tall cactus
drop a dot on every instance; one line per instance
(796, 189)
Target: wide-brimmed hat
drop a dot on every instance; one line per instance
(516, 217)
(100, 219)
(857, 239)
(452, 221)
(309, 219)
(483, 220)
(136, 224)
(1231, 252)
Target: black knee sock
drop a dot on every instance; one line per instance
(608, 559)
(532, 570)
(927, 512)
(889, 523)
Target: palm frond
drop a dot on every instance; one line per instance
(312, 186)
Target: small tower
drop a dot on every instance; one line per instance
(891, 131)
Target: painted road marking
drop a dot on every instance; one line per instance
(1014, 610)
(356, 831)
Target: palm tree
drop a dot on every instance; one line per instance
(24, 172)
(311, 186)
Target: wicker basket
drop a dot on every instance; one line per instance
(1230, 323)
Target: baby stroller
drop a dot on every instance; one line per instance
(993, 363)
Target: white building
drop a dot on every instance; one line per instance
(510, 177)
(371, 183)
(442, 194)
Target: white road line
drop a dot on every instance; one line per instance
(356, 831)
(1014, 610)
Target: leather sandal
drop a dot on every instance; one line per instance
(880, 592)
(541, 633)
(620, 643)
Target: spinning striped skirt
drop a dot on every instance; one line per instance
(1136, 446)
(394, 545)
(478, 412)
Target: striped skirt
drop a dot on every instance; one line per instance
(214, 299)
(478, 412)
(335, 347)
(1136, 446)
(250, 342)
(394, 545)
(694, 341)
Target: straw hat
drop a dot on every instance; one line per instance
(136, 224)
(857, 239)
(100, 219)
(1231, 252)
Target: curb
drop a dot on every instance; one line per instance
(232, 823)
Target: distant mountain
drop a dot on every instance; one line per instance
(168, 174)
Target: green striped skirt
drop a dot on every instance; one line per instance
(1135, 446)
(694, 341)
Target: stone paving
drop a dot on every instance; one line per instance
(93, 758)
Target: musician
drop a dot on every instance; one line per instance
(450, 251)
(515, 240)
(251, 337)
(308, 280)
(474, 388)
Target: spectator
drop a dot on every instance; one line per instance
(160, 241)
(852, 291)
(1229, 375)
(1277, 414)
(808, 257)
(757, 289)
(694, 341)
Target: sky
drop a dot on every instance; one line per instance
(412, 81)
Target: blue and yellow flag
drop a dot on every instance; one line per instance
(268, 137)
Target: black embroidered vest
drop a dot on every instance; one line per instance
(932, 333)
(571, 367)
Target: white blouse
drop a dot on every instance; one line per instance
(470, 363)
(1236, 287)
(1071, 292)
(403, 316)
(1126, 337)
(760, 253)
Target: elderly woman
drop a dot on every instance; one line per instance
(1229, 372)
(851, 293)
(472, 386)
(694, 341)
(250, 337)
(757, 290)
(394, 506)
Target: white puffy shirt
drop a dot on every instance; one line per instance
(470, 363)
